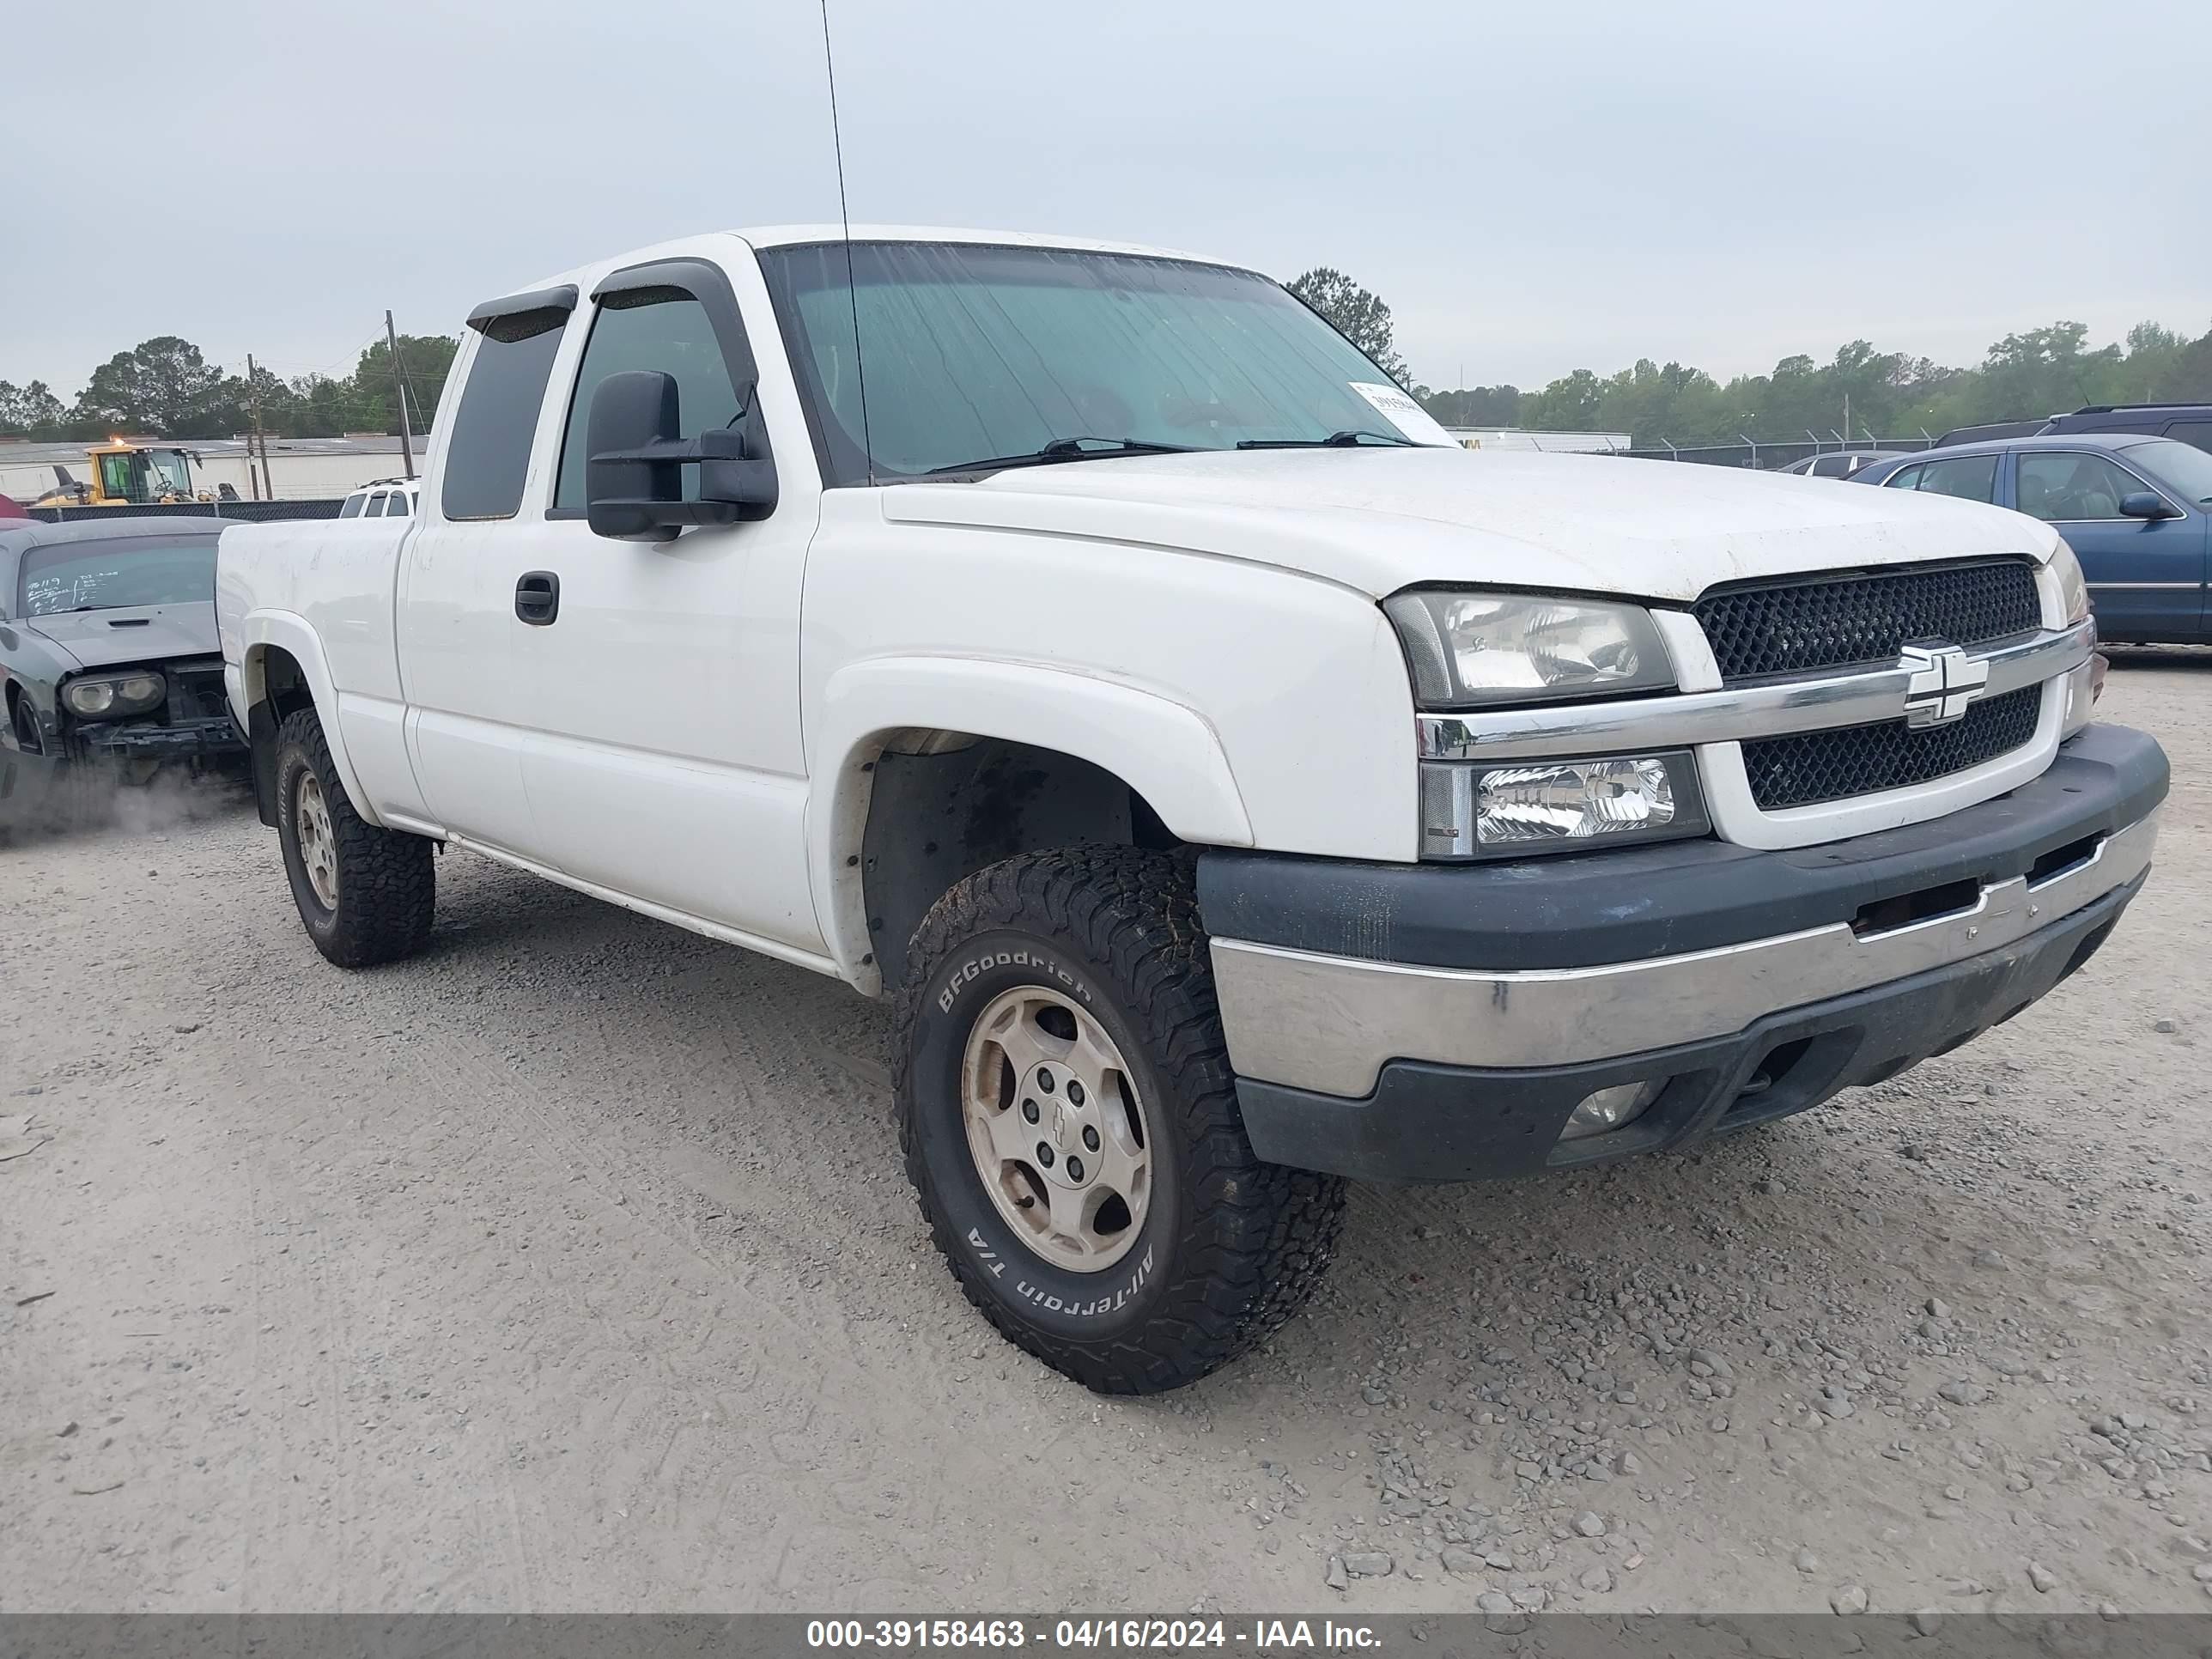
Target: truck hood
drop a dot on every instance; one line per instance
(1378, 520)
(130, 633)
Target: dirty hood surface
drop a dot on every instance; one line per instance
(130, 633)
(1380, 519)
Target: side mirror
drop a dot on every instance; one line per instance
(2145, 504)
(634, 477)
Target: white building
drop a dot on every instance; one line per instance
(299, 469)
(1560, 443)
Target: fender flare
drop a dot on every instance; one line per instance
(283, 630)
(1166, 751)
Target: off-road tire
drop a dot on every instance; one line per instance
(387, 880)
(1230, 1246)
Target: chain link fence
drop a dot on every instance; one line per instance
(241, 511)
(1764, 457)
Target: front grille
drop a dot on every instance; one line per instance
(197, 694)
(1830, 622)
(1812, 767)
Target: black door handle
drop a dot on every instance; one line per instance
(538, 597)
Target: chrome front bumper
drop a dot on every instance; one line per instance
(1329, 1023)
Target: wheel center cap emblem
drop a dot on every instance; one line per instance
(1944, 681)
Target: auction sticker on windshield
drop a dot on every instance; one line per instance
(1402, 411)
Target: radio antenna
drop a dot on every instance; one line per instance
(845, 216)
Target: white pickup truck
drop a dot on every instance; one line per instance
(1237, 786)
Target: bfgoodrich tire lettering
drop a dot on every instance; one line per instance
(1229, 1246)
(381, 884)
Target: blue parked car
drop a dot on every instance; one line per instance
(2137, 510)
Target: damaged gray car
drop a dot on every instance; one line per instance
(108, 658)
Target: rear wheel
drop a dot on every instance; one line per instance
(1070, 1122)
(367, 895)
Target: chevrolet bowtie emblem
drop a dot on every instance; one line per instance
(1944, 681)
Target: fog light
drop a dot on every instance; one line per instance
(1576, 800)
(1609, 1108)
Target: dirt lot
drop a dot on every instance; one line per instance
(571, 1266)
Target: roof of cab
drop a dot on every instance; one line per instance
(794, 235)
(761, 236)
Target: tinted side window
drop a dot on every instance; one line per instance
(350, 507)
(2192, 432)
(2058, 486)
(488, 452)
(1905, 477)
(397, 507)
(1832, 466)
(1969, 477)
(375, 508)
(670, 332)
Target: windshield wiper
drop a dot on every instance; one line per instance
(1066, 449)
(1346, 439)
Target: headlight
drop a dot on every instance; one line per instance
(2073, 591)
(116, 698)
(1515, 808)
(1474, 648)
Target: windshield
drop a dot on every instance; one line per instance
(96, 575)
(171, 472)
(2181, 466)
(972, 352)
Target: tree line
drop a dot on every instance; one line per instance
(165, 387)
(1893, 394)
(1890, 394)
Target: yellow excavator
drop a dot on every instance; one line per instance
(125, 474)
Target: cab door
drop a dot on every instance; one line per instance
(664, 762)
(2146, 576)
(469, 702)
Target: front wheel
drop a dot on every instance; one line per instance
(367, 895)
(1069, 1120)
(23, 722)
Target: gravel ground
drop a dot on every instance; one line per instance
(571, 1266)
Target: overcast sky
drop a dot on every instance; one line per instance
(1534, 188)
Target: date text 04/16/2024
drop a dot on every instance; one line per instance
(1160, 1634)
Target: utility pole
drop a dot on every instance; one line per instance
(399, 388)
(254, 444)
